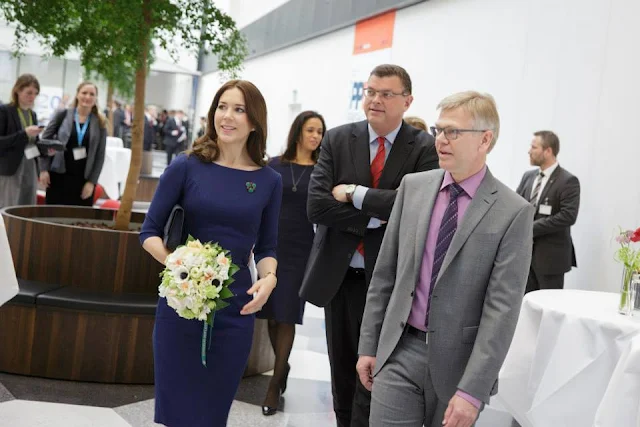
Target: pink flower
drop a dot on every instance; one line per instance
(625, 237)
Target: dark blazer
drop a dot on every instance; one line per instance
(345, 159)
(169, 127)
(553, 251)
(118, 122)
(13, 139)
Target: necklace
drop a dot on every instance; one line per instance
(294, 180)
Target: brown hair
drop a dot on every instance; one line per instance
(295, 134)
(206, 147)
(23, 81)
(390, 70)
(94, 109)
(549, 140)
(417, 123)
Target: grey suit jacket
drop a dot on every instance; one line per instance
(477, 296)
(60, 128)
(553, 251)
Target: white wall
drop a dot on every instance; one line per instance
(565, 65)
(244, 12)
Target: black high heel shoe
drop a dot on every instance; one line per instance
(283, 387)
(269, 410)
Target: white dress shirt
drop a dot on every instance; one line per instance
(357, 261)
(547, 173)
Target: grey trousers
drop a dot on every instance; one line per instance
(20, 188)
(403, 393)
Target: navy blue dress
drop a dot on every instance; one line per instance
(218, 208)
(295, 238)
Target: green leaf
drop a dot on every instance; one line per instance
(226, 293)
(233, 269)
(221, 304)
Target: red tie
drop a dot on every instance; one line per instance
(376, 172)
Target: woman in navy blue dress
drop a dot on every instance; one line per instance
(229, 197)
(295, 238)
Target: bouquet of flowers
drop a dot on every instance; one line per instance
(630, 259)
(196, 282)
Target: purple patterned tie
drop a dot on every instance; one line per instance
(448, 228)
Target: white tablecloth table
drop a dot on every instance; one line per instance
(114, 142)
(574, 362)
(115, 170)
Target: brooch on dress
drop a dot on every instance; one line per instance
(251, 186)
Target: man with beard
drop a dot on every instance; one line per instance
(555, 193)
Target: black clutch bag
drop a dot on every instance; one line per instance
(45, 144)
(174, 229)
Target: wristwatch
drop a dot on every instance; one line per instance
(351, 188)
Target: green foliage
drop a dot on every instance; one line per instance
(110, 34)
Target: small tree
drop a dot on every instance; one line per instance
(115, 38)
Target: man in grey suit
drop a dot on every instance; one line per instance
(446, 291)
(555, 194)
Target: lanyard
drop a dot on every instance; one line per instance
(83, 130)
(22, 119)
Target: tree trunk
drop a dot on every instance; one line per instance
(126, 203)
(109, 112)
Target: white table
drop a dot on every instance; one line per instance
(574, 362)
(8, 281)
(115, 171)
(114, 142)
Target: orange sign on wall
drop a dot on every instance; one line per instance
(374, 33)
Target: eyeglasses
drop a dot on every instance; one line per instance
(452, 133)
(384, 94)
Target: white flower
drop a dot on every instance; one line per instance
(175, 303)
(187, 287)
(180, 275)
(176, 258)
(223, 261)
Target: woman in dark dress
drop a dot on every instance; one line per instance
(229, 196)
(71, 175)
(295, 237)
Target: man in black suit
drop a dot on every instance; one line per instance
(173, 131)
(150, 124)
(351, 194)
(555, 193)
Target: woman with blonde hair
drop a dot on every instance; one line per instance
(71, 175)
(18, 153)
(417, 123)
(231, 197)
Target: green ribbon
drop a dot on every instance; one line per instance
(206, 337)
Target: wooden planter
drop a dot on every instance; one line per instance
(80, 344)
(147, 185)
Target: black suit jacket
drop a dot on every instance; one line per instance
(13, 139)
(345, 159)
(169, 127)
(553, 251)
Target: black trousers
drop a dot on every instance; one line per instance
(172, 150)
(343, 316)
(535, 282)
